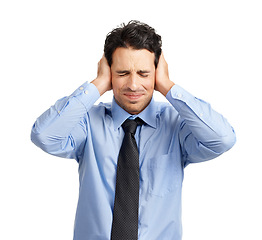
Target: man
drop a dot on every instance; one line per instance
(168, 137)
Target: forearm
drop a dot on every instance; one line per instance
(60, 129)
(204, 133)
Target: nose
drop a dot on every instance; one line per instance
(133, 82)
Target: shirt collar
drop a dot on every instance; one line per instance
(148, 115)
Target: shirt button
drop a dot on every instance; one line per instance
(81, 88)
(179, 95)
(86, 92)
(201, 114)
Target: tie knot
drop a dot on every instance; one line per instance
(130, 125)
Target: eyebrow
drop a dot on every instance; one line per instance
(122, 71)
(143, 71)
(127, 71)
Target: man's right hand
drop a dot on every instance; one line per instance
(103, 80)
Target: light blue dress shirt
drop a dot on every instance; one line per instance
(185, 131)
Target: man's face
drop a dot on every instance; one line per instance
(133, 78)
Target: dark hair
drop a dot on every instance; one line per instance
(136, 35)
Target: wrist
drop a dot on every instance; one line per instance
(100, 84)
(165, 88)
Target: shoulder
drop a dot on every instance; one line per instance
(167, 115)
(165, 108)
(101, 110)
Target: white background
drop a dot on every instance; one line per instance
(49, 48)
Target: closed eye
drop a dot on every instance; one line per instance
(143, 73)
(122, 73)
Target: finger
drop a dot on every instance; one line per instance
(162, 57)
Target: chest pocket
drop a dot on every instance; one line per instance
(165, 175)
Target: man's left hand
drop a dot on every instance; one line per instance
(162, 82)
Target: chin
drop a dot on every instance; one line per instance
(135, 109)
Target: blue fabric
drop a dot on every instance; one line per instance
(185, 130)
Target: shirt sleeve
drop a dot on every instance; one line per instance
(204, 133)
(61, 130)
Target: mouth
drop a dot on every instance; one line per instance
(133, 96)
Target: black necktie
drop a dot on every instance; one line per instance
(125, 217)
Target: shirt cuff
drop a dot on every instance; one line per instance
(180, 94)
(87, 94)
